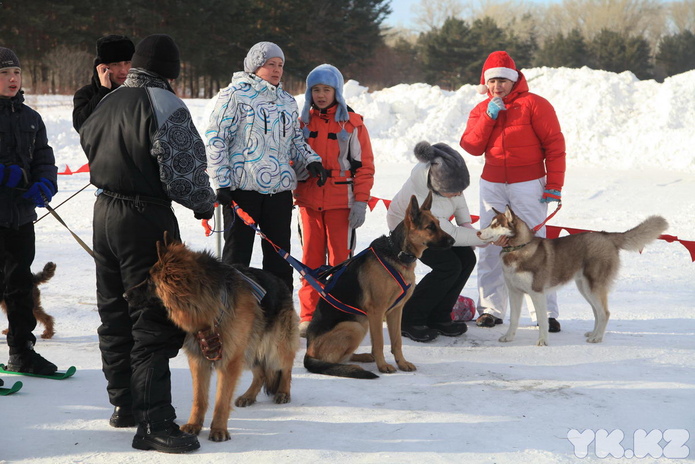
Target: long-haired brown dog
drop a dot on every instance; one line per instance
(334, 335)
(40, 314)
(228, 328)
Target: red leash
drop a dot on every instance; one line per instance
(540, 226)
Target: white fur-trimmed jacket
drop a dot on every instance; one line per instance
(442, 208)
(254, 141)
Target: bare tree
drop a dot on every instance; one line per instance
(637, 18)
(430, 14)
(681, 16)
(68, 68)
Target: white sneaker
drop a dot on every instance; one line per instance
(302, 328)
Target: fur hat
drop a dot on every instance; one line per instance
(498, 64)
(325, 74)
(8, 59)
(159, 54)
(448, 171)
(259, 54)
(114, 48)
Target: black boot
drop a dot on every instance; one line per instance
(30, 362)
(419, 333)
(122, 417)
(554, 325)
(165, 437)
(449, 328)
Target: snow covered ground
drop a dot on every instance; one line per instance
(472, 399)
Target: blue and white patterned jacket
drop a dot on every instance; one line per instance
(254, 141)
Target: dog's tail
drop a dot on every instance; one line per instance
(636, 238)
(339, 370)
(45, 275)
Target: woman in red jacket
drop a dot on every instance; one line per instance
(520, 136)
(329, 214)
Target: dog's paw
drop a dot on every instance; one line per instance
(47, 334)
(506, 338)
(244, 401)
(594, 338)
(387, 368)
(362, 357)
(282, 398)
(193, 429)
(4, 332)
(219, 435)
(542, 342)
(406, 366)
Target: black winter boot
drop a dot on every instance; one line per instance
(30, 362)
(122, 417)
(165, 437)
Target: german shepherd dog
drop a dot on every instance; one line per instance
(228, 328)
(39, 313)
(534, 265)
(334, 335)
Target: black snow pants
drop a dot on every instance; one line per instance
(436, 293)
(136, 343)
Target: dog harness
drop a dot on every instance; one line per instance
(209, 338)
(319, 278)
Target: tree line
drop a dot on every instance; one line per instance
(55, 40)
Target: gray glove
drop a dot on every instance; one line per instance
(357, 213)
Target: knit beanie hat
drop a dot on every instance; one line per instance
(114, 48)
(159, 54)
(325, 74)
(498, 64)
(448, 171)
(259, 54)
(8, 59)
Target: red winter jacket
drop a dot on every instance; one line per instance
(524, 142)
(350, 162)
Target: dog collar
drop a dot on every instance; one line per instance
(507, 249)
(402, 256)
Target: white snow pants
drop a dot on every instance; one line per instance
(523, 197)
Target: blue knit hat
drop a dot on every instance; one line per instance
(326, 74)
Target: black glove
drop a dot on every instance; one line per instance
(224, 196)
(316, 169)
(204, 214)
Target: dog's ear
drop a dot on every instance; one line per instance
(427, 204)
(167, 239)
(161, 248)
(509, 214)
(496, 212)
(411, 213)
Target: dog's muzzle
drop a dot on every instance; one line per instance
(210, 343)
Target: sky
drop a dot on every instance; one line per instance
(472, 399)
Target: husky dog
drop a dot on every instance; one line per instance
(534, 265)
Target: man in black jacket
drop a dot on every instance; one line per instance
(28, 178)
(111, 66)
(144, 152)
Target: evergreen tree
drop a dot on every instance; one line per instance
(563, 51)
(677, 53)
(612, 51)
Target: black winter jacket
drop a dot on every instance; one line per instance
(86, 99)
(23, 141)
(141, 140)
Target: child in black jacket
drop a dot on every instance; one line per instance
(28, 178)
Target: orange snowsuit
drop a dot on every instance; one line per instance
(346, 152)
